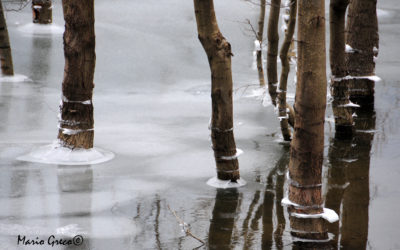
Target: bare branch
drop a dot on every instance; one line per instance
(185, 226)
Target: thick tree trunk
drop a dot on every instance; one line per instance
(42, 11)
(272, 53)
(282, 105)
(76, 124)
(339, 85)
(307, 146)
(363, 39)
(5, 47)
(219, 54)
(223, 219)
(260, 39)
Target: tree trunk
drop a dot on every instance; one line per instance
(42, 11)
(363, 39)
(5, 48)
(219, 54)
(307, 146)
(76, 124)
(282, 105)
(272, 53)
(260, 39)
(339, 85)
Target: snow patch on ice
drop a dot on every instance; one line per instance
(15, 78)
(349, 49)
(382, 13)
(41, 29)
(371, 78)
(228, 158)
(57, 154)
(257, 45)
(217, 183)
(349, 105)
(328, 214)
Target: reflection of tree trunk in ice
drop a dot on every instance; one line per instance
(7, 67)
(272, 53)
(362, 49)
(219, 54)
(307, 147)
(75, 186)
(42, 11)
(260, 39)
(223, 219)
(339, 85)
(340, 156)
(247, 234)
(264, 211)
(356, 196)
(76, 125)
(282, 105)
(40, 58)
(157, 223)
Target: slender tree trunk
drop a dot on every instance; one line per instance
(219, 54)
(260, 39)
(76, 124)
(42, 11)
(339, 84)
(272, 53)
(363, 39)
(307, 146)
(282, 105)
(5, 47)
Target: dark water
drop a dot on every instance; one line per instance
(152, 108)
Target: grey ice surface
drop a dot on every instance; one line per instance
(152, 108)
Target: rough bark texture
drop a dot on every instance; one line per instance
(219, 54)
(339, 86)
(306, 153)
(5, 47)
(223, 219)
(76, 124)
(362, 37)
(260, 39)
(282, 105)
(42, 11)
(272, 53)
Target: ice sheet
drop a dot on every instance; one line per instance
(57, 154)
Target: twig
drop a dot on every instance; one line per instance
(185, 227)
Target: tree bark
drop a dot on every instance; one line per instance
(307, 147)
(5, 47)
(282, 105)
(260, 39)
(219, 54)
(76, 124)
(272, 53)
(339, 85)
(363, 38)
(42, 11)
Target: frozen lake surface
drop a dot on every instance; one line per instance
(152, 108)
